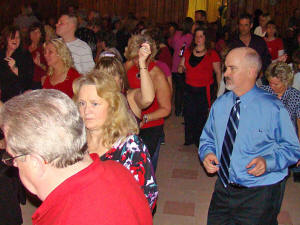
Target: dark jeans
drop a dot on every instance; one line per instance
(245, 206)
(195, 113)
(152, 137)
(178, 81)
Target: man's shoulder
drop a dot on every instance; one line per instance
(78, 44)
(266, 100)
(258, 39)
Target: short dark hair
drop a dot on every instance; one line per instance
(187, 25)
(108, 38)
(246, 16)
(202, 12)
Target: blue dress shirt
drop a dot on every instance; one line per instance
(265, 129)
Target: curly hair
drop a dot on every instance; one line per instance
(282, 71)
(120, 121)
(113, 67)
(134, 44)
(63, 52)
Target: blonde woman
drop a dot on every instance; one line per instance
(138, 98)
(61, 72)
(112, 129)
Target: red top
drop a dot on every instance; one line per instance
(135, 82)
(165, 56)
(202, 74)
(274, 46)
(104, 193)
(38, 71)
(66, 85)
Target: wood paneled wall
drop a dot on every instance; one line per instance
(158, 10)
(280, 10)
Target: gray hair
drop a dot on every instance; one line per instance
(282, 71)
(46, 123)
(252, 58)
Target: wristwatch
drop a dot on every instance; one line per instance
(145, 118)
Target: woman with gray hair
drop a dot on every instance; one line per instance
(280, 77)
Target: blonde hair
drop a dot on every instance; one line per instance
(113, 67)
(49, 33)
(120, 121)
(134, 44)
(282, 71)
(63, 52)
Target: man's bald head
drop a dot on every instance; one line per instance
(242, 67)
(249, 57)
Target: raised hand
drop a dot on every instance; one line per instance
(144, 52)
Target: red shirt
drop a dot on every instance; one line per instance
(135, 82)
(66, 85)
(202, 74)
(274, 46)
(38, 71)
(104, 193)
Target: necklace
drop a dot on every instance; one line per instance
(200, 51)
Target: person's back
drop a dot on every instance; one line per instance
(103, 193)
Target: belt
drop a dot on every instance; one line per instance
(237, 186)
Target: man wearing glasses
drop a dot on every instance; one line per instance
(45, 138)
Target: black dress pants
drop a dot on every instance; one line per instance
(245, 206)
(178, 80)
(195, 113)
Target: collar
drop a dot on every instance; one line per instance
(248, 96)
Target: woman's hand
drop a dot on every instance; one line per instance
(144, 53)
(37, 59)
(12, 64)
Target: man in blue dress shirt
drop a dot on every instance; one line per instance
(264, 147)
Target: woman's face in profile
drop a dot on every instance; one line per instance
(93, 109)
(14, 43)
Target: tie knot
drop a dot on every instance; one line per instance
(237, 100)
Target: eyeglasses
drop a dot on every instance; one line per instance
(8, 160)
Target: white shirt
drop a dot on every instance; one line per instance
(82, 56)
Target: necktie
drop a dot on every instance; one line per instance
(228, 142)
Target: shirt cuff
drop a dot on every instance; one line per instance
(270, 162)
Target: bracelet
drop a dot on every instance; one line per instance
(145, 118)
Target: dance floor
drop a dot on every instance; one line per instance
(185, 189)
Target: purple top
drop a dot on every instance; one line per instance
(177, 43)
(164, 67)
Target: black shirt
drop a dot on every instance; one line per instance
(258, 44)
(11, 84)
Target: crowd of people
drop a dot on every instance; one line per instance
(113, 81)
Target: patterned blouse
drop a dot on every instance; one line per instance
(134, 155)
(291, 101)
